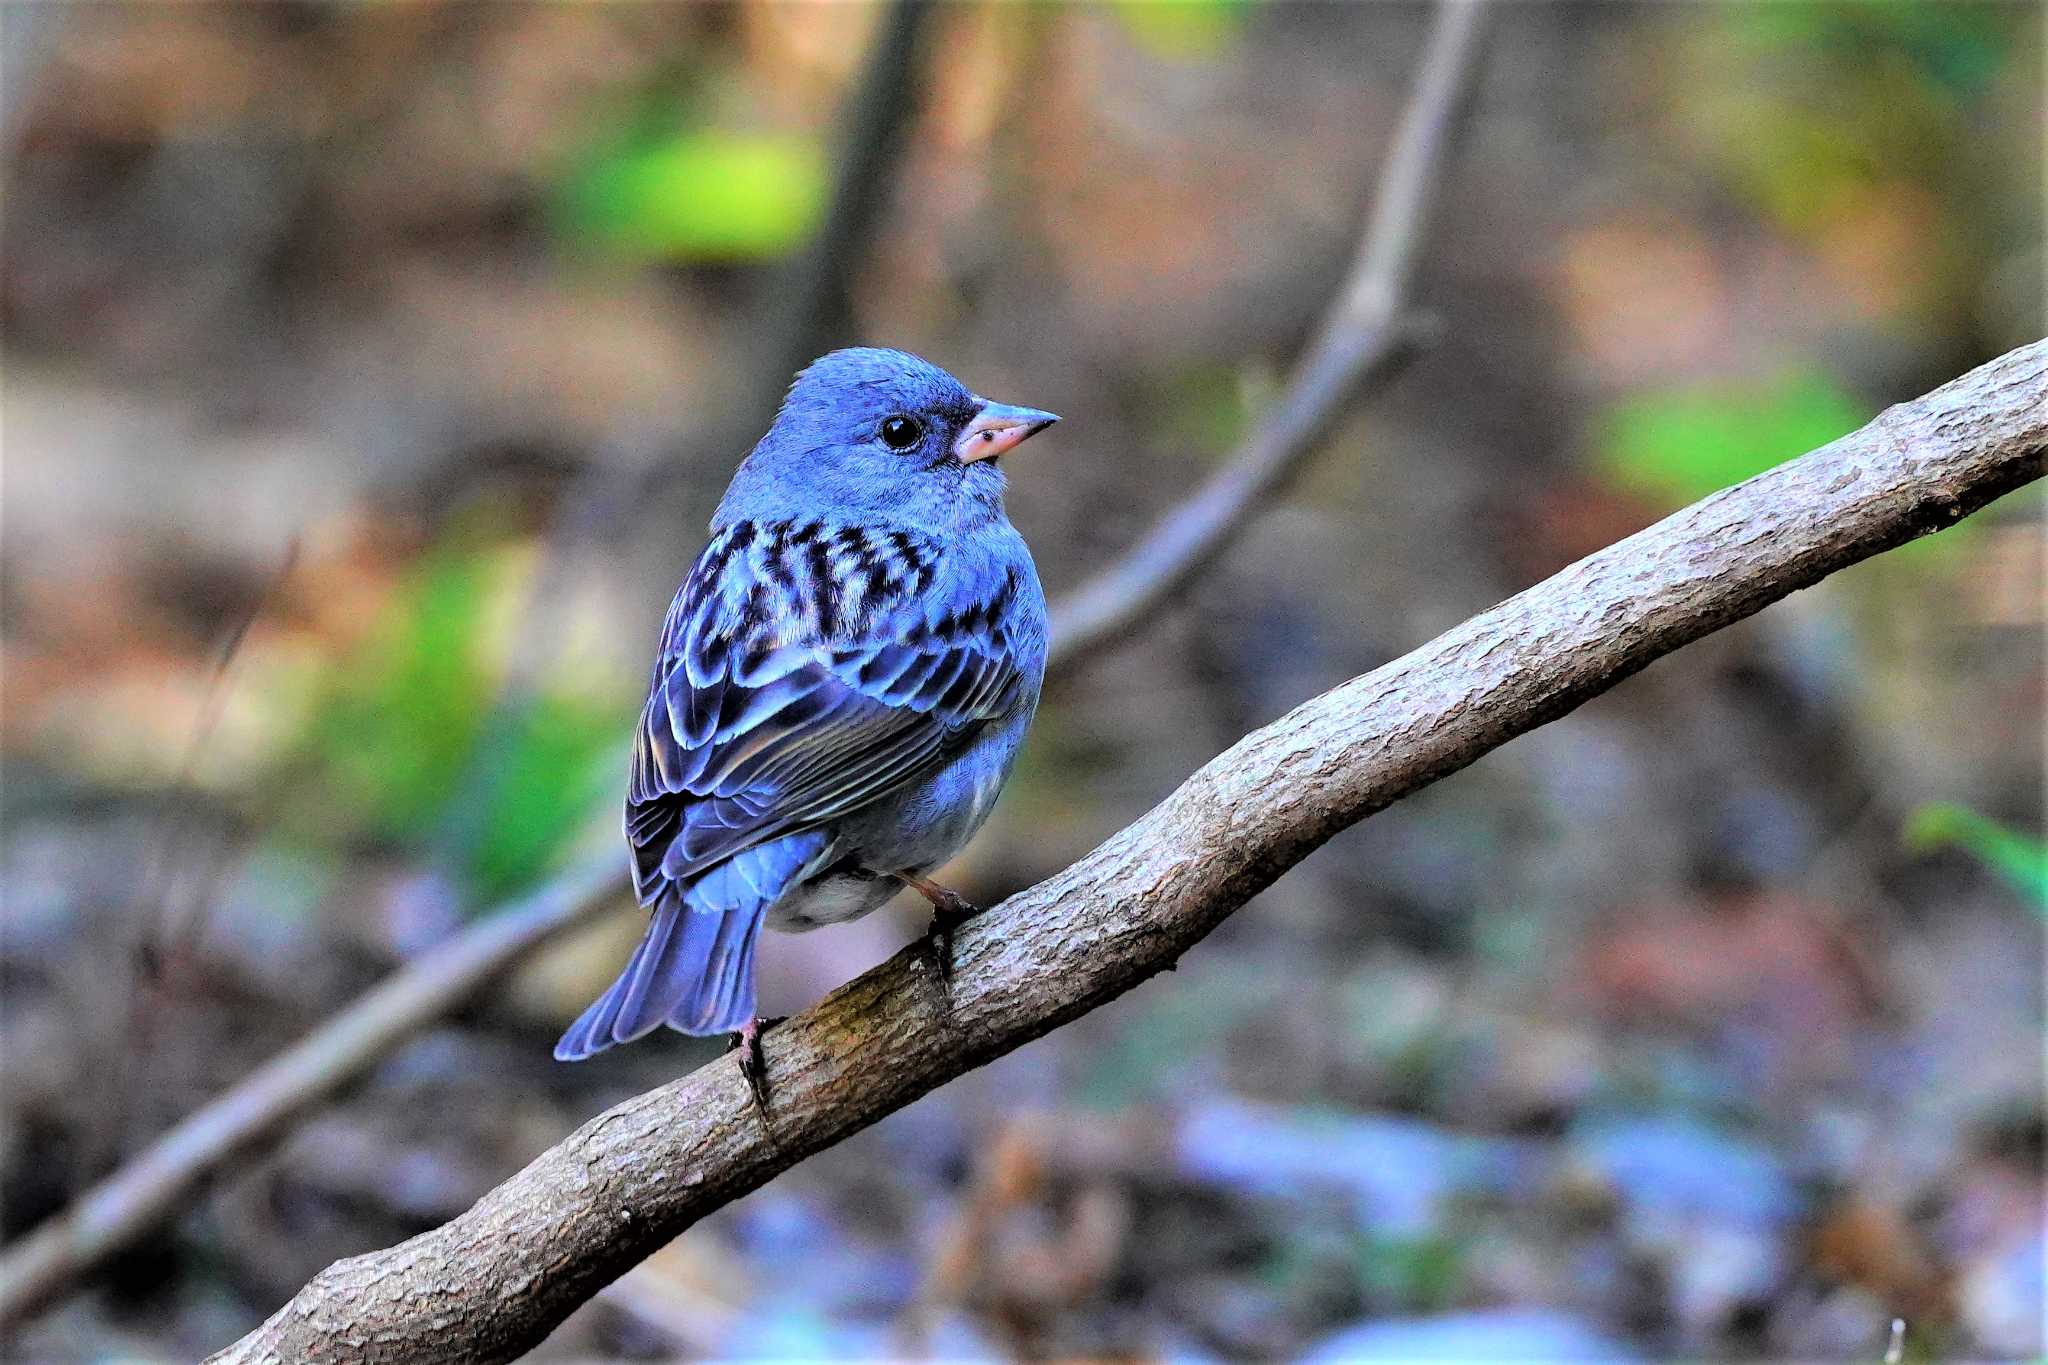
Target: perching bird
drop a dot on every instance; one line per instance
(844, 679)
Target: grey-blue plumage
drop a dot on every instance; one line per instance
(843, 682)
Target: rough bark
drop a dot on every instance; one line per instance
(494, 1281)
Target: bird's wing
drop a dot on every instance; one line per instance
(805, 671)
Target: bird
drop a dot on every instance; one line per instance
(843, 681)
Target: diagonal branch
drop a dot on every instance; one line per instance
(496, 1280)
(1363, 336)
(1363, 339)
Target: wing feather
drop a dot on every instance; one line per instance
(781, 702)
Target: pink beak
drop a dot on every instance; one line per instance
(997, 428)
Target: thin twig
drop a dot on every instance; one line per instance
(494, 1281)
(1363, 338)
(162, 959)
(1353, 341)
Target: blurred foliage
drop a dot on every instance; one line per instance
(1856, 128)
(1418, 1274)
(394, 726)
(695, 195)
(2021, 860)
(1184, 30)
(1205, 408)
(1961, 47)
(1149, 1058)
(548, 765)
(410, 745)
(1678, 445)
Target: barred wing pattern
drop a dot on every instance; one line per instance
(806, 670)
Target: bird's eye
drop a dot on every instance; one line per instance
(901, 432)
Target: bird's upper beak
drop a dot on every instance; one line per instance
(996, 428)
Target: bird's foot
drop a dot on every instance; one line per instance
(754, 1066)
(950, 910)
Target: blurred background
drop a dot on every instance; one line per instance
(371, 371)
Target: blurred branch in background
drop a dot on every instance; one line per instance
(1361, 337)
(494, 1281)
(817, 306)
(809, 310)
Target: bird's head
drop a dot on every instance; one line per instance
(882, 430)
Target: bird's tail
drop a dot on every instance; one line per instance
(694, 968)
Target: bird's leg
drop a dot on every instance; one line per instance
(753, 1065)
(950, 910)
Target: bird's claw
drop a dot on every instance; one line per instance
(944, 923)
(950, 910)
(753, 1064)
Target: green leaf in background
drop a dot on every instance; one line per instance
(1961, 46)
(410, 745)
(1420, 1274)
(1679, 445)
(1202, 408)
(2020, 860)
(539, 774)
(697, 195)
(393, 732)
(1183, 30)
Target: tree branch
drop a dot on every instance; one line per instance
(1363, 339)
(1363, 336)
(493, 1282)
